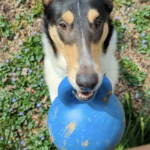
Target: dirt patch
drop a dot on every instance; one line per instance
(9, 9)
(131, 39)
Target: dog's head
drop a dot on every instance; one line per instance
(80, 30)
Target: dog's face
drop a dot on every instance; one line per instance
(78, 30)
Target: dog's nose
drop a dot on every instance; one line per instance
(87, 81)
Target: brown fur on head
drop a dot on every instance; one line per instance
(46, 2)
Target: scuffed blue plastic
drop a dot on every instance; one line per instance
(97, 124)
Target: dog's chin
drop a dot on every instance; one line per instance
(85, 96)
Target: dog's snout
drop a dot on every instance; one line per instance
(87, 81)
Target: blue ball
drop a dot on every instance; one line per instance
(98, 124)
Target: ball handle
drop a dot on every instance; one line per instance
(107, 88)
(65, 90)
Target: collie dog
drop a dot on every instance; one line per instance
(79, 41)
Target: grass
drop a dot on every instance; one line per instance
(137, 125)
(24, 95)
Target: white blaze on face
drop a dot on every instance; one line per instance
(85, 54)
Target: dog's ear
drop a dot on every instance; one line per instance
(109, 5)
(46, 2)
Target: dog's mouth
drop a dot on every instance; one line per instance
(84, 96)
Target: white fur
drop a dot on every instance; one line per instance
(55, 68)
(108, 61)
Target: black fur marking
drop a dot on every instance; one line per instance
(53, 14)
(111, 28)
(45, 30)
(48, 13)
(109, 5)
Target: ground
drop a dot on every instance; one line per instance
(129, 42)
(131, 38)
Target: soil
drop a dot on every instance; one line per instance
(10, 9)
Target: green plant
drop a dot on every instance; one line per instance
(120, 3)
(20, 1)
(140, 17)
(137, 125)
(22, 17)
(5, 28)
(120, 34)
(5, 135)
(37, 10)
(23, 96)
(130, 72)
(20, 20)
(144, 44)
(5, 48)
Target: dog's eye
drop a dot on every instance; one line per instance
(97, 24)
(63, 26)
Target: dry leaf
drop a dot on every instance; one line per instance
(24, 72)
(5, 80)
